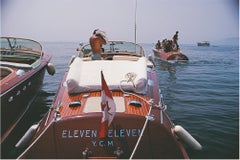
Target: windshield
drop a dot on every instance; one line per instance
(20, 45)
(117, 47)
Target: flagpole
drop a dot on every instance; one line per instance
(108, 108)
(135, 25)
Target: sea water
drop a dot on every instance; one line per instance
(201, 95)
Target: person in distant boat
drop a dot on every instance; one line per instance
(175, 40)
(96, 41)
(158, 45)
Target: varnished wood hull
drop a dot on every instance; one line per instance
(68, 138)
(75, 131)
(139, 129)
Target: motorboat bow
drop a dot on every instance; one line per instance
(108, 108)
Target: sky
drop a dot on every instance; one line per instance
(75, 20)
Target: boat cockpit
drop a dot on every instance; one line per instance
(121, 61)
(20, 53)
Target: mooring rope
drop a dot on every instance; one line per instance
(150, 103)
(140, 137)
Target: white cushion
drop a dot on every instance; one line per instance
(85, 76)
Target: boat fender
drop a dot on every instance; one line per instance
(27, 136)
(51, 69)
(187, 138)
(20, 72)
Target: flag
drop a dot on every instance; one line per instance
(108, 107)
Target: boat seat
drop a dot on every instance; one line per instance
(85, 76)
(17, 65)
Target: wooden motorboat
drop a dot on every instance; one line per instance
(174, 56)
(22, 68)
(108, 108)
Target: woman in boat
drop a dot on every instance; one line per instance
(96, 41)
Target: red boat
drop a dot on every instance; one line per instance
(108, 108)
(173, 56)
(22, 69)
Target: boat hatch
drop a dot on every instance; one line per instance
(93, 104)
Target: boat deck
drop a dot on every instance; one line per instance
(86, 102)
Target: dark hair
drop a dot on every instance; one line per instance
(94, 32)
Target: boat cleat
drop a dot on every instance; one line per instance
(86, 153)
(150, 117)
(119, 152)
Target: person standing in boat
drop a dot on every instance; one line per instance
(175, 40)
(96, 41)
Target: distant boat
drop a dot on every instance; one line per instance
(204, 43)
(119, 116)
(168, 51)
(22, 67)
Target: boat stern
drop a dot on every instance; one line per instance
(78, 137)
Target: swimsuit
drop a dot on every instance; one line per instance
(96, 56)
